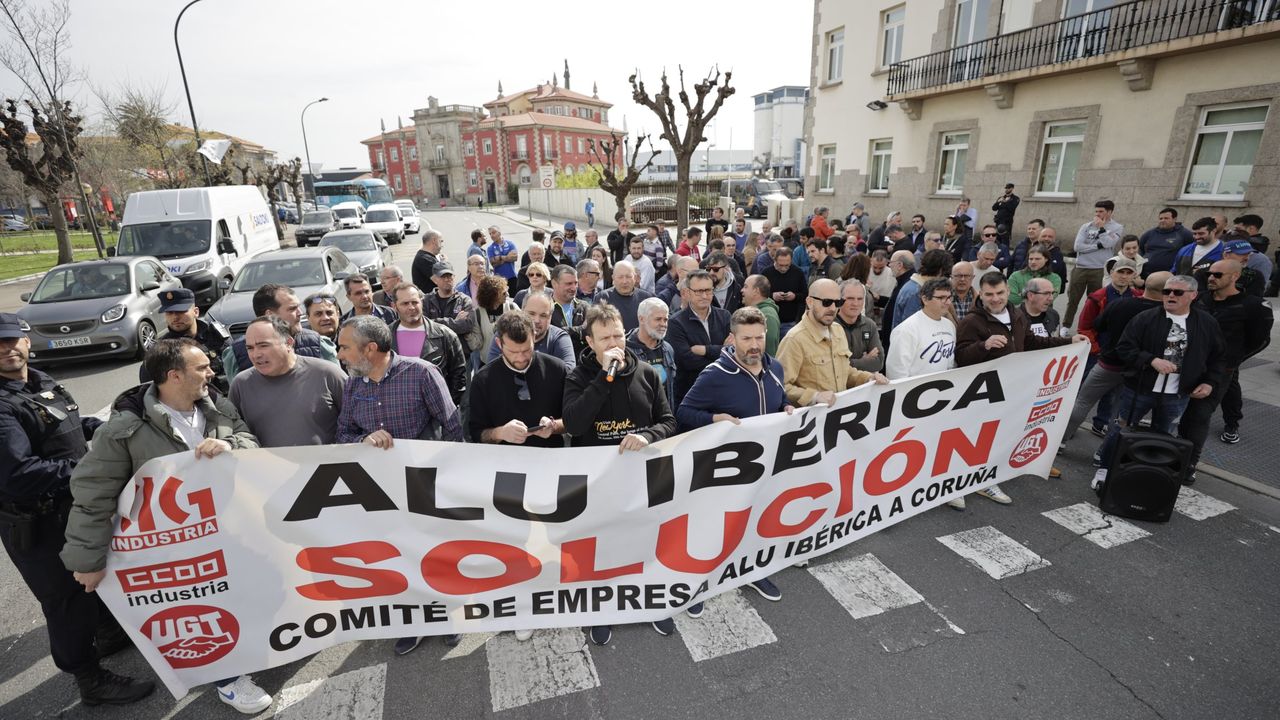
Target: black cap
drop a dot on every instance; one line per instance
(10, 326)
(179, 300)
(1008, 186)
(441, 269)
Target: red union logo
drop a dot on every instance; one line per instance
(1044, 409)
(191, 571)
(170, 524)
(1031, 447)
(1060, 370)
(192, 635)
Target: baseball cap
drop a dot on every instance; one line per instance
(1008, 186)
(570, 226)
(441, 269)
(557, 233)
(179, 300)
(10, 326)
(1238, 247)
(1124, 263)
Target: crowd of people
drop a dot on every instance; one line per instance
(623, 342)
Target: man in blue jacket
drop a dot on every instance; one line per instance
(697, 332)
(743, 382)
(1160, 244)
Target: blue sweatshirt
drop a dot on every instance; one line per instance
(725, 386)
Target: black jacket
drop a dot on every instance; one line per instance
(443, 349)
(1144, 340)
(599, 412)
(1004, 208)
(495, 398)
(684, 330)
(423, 264)
(1111, 322)
(573, 325)
(42, 437)
(212, 337)
(1246, 323)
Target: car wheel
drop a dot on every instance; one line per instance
(146, 337)
(755, 211)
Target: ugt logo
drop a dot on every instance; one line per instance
(192, 635)
(169, 507)
(1029, 448)
(1057, 375)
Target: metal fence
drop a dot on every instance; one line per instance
(656, 201)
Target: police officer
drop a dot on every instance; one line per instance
(182, 318)
(42, 437)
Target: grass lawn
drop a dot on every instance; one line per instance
(33, 240)
(12, 266)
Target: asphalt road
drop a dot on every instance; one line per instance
(1034, 610)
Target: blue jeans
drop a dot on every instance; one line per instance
(1132, 406)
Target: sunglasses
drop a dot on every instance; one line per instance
(828, 302)
(1176, 292)
(319, 298)
(1217, 275)
(715, 268)
(988, 235)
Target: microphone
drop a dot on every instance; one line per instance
(613, 370)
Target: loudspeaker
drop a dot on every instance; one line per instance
(1146, 473)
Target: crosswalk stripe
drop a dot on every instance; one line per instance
(864, 586)
(1103, 530)
(550, 664)
(469, 644)
(728, 624)
(993, 552)
(355, 695)
(1198, 506)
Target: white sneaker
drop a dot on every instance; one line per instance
(802, 564)
(246, 697)
(523, 635)
(1099, 477)
(995, 493)
(958, 503)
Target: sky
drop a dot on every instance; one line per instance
(252, 65)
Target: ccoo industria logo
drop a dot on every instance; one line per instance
(167, 517)
(192, 635)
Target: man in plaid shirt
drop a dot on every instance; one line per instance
(389, 397)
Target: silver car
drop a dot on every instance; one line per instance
(306, 271)
(96, 308)
(363, 248)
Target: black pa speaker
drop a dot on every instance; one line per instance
(1146, 473)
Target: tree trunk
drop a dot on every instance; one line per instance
(59, 218)
(620, 197)
(682, 191)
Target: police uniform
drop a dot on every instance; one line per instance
(42, 437)
(211, 335)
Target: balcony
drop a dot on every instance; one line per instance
(438, 163)
(520, 155)
(1121, 33)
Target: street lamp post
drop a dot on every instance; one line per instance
(307, 151)
(182, 69)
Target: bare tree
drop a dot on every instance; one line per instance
(695, 116)
(270, 180)
(140, 118)
(35, 56)
(618, 179)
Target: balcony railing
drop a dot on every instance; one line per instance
(519, 154)
(1114, 29)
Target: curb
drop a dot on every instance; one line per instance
(1239, 480)
(24, 278)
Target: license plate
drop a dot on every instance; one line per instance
(69, 342)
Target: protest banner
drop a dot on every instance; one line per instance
(260, 557)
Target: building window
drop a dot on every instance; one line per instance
(469, 148)
(1059, 158)
(395, 154)
(397, 183)
(951, 162)
(881, 156)
(582, 146)
(413, 152)
(472, 178)
(1226, 144)
(835, 55)
(547, 147)
(568, 170)
(379, 161)
(827, 169)
(522, 147)
(440, 153)
(417, 183)
(893, 22)
(568, 145)
(488, 146)
(526, 177)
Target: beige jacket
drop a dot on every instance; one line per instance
(815, 359)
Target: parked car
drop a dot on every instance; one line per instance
(349, 214)
(412, 224)
(305, 270)
(406, 204)
(385, 221)
(362, 247)
(96, 308)
(793, 188)
(315, 225)
(12, 224)
(656, 208)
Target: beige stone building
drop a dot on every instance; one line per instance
(1147, 103)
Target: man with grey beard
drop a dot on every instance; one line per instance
(648, 342)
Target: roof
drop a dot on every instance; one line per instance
(391, 134)
(549, 92)
(531, 119)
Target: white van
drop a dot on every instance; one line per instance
(350, 214)
(385, 220)
(202, 235)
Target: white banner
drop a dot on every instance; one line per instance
(214, 150)
(261, 557)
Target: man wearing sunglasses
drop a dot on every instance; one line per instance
(815, 355)
(1172, 355)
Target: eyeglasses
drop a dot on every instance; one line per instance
(1217, 275)
(312, 300)
(1041, 292)
(942, 298)
(704, 291)
(961, 276)
(1176, 292)
(715, 268)
(828, 302)
(989, 235)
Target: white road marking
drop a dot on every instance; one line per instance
(550, 664)
(728, 624)
(993, 552)
(355, 695)
(1198, 506)
(21, 683)
(864, 586)
(1097, 527)
(470, 643)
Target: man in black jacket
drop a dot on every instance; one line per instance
(1173, 354)
(415, 335)
(697, 332)
(1246, 323)
(569, 311)
(182, 319)
(613, 398)
(1005, 206)
(424, 261)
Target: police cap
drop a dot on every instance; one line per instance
(179, 300)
